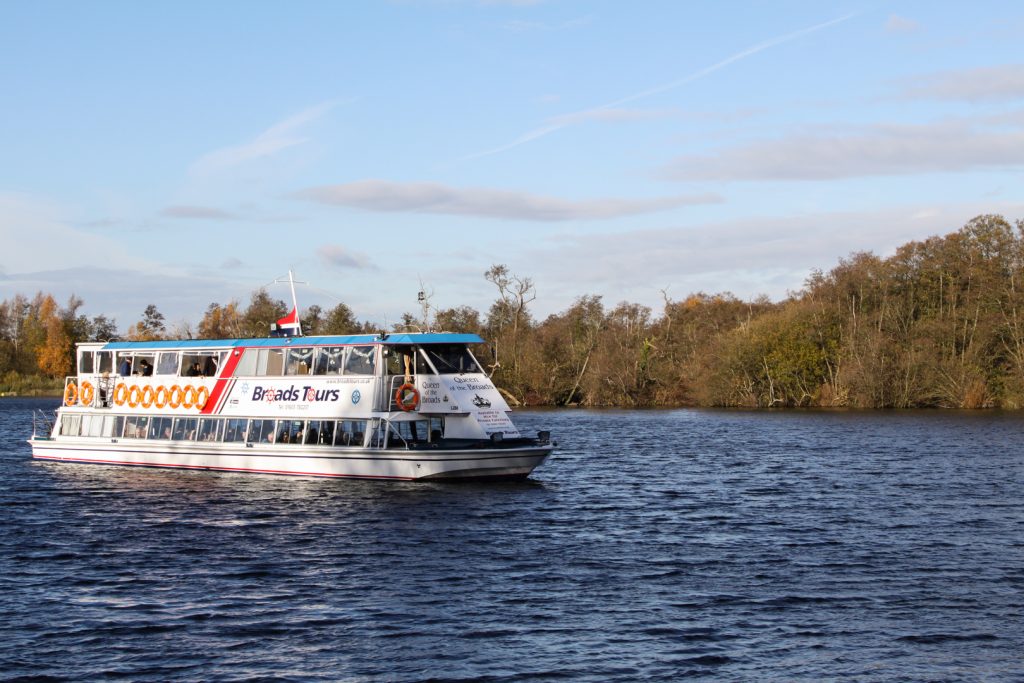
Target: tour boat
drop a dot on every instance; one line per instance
(386, 406)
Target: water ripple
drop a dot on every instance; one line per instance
(653, 546)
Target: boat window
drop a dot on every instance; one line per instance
(234, 430)
(209, 429)
(451, 359)
(378, 433)
(200, 364)
(412, 431)
(350, 433)
(261, 431)
(360, 361)
(160, 428)
(105, 361)
(108, 426)
(95, 426)
(270, 362)
(290, 431)
(119, 425)
(325, 432)
(143, 365)
(247, 363)
(85, 365)
(69, 424)
(395, 357)
(299, 361)
(167, 363)
(330, 360)
(184, 428)
(436, 428)
(313, 429)
(135, 427)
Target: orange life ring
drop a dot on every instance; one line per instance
(174, 396)
(147, 396)
(86, 393)
(188, 396)
(70, 394)
(407, 397)
(120, 394)
(160, 397)
(202, 396)
(134, 395)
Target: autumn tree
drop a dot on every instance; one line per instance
(150, 328)
(312, 320)
(341, 320)
(54, 354)
(102, 328)
(459, 319)
(221, 322)
(507, 320)
(261, 313)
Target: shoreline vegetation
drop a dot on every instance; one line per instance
(939, 324)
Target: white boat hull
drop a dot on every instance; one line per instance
(359, 463)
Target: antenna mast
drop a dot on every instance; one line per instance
(295, 302)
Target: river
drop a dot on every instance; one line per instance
(719, 545)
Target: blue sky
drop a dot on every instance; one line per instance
(186, 153)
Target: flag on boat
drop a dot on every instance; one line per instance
(289, 325)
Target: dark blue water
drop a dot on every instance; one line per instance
(654, 545)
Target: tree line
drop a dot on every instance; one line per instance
(938, 324)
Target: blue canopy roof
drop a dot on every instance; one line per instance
(386, 339)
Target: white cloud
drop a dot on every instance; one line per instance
(747, 257)
(386, 196)
(868, 151)
(898, 24)
(197, 212)
(277, 138)
(1001, 83)
(340, 257)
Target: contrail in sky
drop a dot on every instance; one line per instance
(563, 121)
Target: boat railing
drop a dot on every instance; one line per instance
(41, 422)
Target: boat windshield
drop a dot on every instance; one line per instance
(451, 359)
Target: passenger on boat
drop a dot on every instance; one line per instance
(194, 371)
(125, 367)
(103, 387)
(146, 368)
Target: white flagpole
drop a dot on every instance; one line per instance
(295, 304)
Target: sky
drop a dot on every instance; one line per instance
(186, 153)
